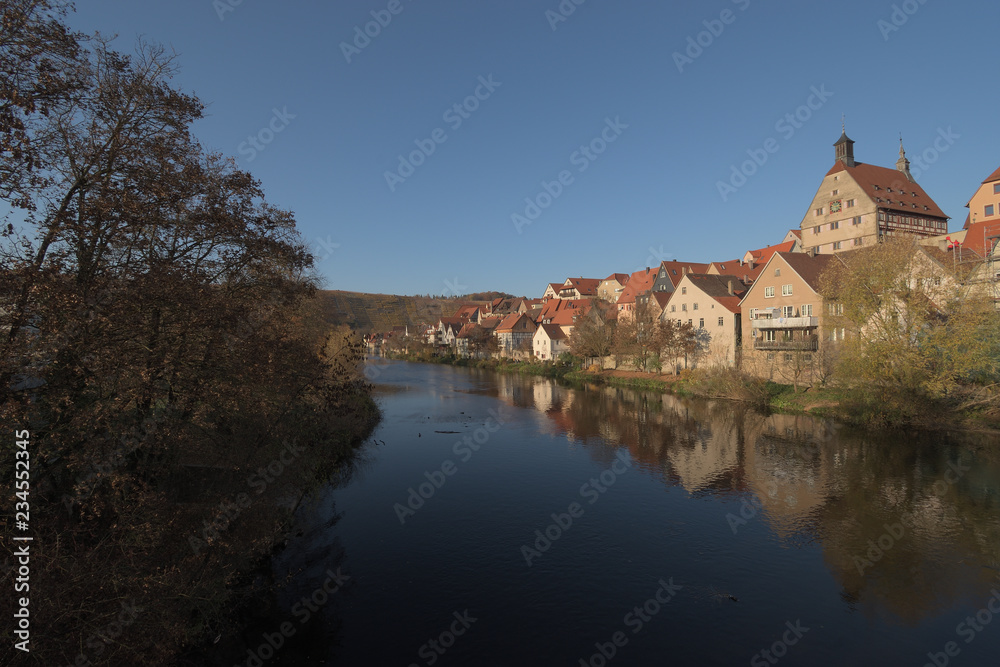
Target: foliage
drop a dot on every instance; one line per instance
(919, 340)
(160, 341)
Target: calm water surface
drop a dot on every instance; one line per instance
(791, 535)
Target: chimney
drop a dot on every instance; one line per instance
(730, 284)
(750, 264)
(812, 251)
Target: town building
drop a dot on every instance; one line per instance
(860, 204)
(711, 304)
(782, 318)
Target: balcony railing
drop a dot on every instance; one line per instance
(785, 323)
(787, 345)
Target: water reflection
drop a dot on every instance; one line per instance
(908, 523)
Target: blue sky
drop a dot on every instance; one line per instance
(662, 130)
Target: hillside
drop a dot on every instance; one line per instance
(381, 312)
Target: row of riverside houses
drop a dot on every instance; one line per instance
(762, 312)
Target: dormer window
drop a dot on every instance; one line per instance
(888, 189)
(877, 188)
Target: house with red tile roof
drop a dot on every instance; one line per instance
(514, 335)
(551, 291)
(782, 319)
(549, 342)
(669, 274)
(858, 204)
(612, 287)
(711, 304)
(985, 204)
(761, 255)
(579, 288)
(747, 272)
(640, 282)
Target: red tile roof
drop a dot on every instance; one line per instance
(902, 198)
(567, 316)
(809, 267)
(638, 282)
(584, 286)
(763, 254)
(512, 321)
(980, 235)
(622, 278)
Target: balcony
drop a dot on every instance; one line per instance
(785, 323)
(808, 345)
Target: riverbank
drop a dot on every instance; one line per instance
(729, 384)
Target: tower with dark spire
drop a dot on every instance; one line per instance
(902, 164)
(844, 147)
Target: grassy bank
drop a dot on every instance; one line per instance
(729, 384)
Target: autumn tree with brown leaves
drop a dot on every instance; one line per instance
(159, 339)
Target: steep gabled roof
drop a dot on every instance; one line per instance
(638, 282)
(676, 270)
(809, 267)
(906, 196)
(763, 254)
(512, 320)
(622, 278)
(995, 176)
(717, 287)
(553, 331)
(584, 286)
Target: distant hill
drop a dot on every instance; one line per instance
(381, 312)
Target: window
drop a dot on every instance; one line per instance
(673, 308)
(816, 229)
(856, 220)
(777, 272)
(701, 323)
(684, 307)
(768, 292)
(788, 311)
(887, 189)
(836, 309)
(786, 290)
(807, 310)
(684, 290)
(851, 203)
(835, 193)
(769, 335)
(753, 314)
(837, 245)
(789, 356)
(988, 210)
(694, 307)
(722, 321)
(819, 211)
(691, 322)
(937, 281)
(834, 225)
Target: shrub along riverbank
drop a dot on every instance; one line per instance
(729, 384)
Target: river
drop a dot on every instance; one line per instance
(505, 520)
